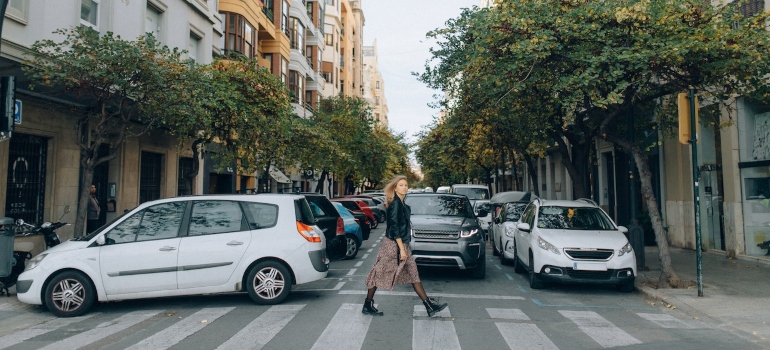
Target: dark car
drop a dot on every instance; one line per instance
(363, 221)
(328, 219)
(357, 205)
(379, 214)
(446, 233)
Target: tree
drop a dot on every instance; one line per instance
(124, 89)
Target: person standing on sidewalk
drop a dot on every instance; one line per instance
(92, 216)
(394, 264)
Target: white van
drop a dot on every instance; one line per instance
(473, 192)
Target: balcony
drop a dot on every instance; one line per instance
(268, 12)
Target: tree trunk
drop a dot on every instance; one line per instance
(532, 172)
(319, 186)
(86, 178)
(575, 174)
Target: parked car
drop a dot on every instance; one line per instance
(446, 233)
(183, 246)
(353, 235)
(506, 208)
(484, 221)
(380, 200)
(329, 221)
(443, 189)
(357, 205)
(572, 242)
(363, 222)
(473, 192)
(379, 215)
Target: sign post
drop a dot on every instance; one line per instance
(695, 180)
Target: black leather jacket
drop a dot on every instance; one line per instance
(399, 224)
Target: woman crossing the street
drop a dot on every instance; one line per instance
(394, 264)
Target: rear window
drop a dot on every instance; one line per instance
(482, 206)
(566, 218)
(261, 215)
(440, 206)
(303, 212)
(472, 193)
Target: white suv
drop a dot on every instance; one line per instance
(260, 244)
(572, 242)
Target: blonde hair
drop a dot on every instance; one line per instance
(390, 188)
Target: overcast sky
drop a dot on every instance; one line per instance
(399, 26)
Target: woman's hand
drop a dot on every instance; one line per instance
(403, 254)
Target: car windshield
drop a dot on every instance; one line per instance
(440, 206)
(513, 211)
(481, 206)
(567, 218)
(472, 193)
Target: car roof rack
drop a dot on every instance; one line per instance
(587, 200)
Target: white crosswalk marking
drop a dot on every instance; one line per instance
(507, 314)
(102, 331)
(432, 334)
(260, 331)
(602, 331)
(525, 336)
(43, 328)
(666, 321)
(346, 330)
(182, 329)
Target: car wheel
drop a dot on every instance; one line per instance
(69, 294)
(534, 278)
(375, 223)
(627, 287)
(495, 252)
(352, 247)
(268, 283)
(480, 271)
(382, 218)
(517, 266)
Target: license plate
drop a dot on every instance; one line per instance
(589, 266)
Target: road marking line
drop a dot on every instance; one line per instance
(103, 330)
(359, 263)
(369, 251)
(263, 329)
(602, 331)
(521, 288)
(351, 272)
(435, 334)
(346, 331)
(182, 329)
(540, 303)
(36, 330)
(441, 295)
(365, 256)
(525, 336)
(338, 286)
(508, 314)
(419, 311)
(666, 321)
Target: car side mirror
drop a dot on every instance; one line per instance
(623, 229)
(101, 240)
(482, 213)
(523, 227)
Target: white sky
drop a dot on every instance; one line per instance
(399, 26)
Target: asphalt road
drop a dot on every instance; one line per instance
(499, 312)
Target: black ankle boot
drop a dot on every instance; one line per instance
(432, 306)
(369, 308)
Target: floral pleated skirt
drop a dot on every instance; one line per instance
(387, 272)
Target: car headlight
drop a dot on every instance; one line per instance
(465, 233)
(543, 244)
(509, 232)
(626, 249)
(35, 261)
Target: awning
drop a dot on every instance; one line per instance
(278, 176)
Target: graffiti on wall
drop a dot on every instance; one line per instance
(761, 136)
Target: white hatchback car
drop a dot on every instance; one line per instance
(572, 242)
(260, 244)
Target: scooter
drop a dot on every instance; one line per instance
(32, 240)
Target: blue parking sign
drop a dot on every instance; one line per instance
(17, 112)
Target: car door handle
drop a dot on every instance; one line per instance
(167, 249)
(235, 243)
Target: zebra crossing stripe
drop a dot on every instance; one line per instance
(102, 331)
(346, 330)
(182, 329)
(507, 314)
(43, 328)
(260, 331)
(666, 321)
(525, 336)
(602, 331)
(432, 334)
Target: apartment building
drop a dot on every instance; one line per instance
(342, 58)
(374, 85)
(42, 172)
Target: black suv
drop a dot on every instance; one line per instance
(328, 219)
(445, 232)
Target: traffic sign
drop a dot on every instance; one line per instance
(17, 112)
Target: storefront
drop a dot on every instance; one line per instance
(754, 148)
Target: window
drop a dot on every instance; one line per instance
(157, 222)
(378, 84)
(296, 86)
(262, 215)
(317, 211)
(285, 18)
(152, 22)
(89, 12)
(377, 100)
(268, 9)
(239, 35)
(751, 8)
(193, 47)
(284, 70)
(297, 35)
(17, 9)
(329, 40)
(212, 217)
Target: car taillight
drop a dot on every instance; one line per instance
(308, 233)
(340, 227)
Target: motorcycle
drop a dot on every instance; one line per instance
(32, 240)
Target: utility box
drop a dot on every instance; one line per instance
(7, 231)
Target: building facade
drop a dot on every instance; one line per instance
(374, 85)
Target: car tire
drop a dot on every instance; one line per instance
(269, 282)
(534, 278)
(375, 223)
(627, 287)
(495, 252)
(480, 271)
(69, 294)
(517, 266)
(382, 218)
(352, 247)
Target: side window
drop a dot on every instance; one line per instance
(263, 215)
(529, 215)
(161, 221)
(351, 206)
(317, 211)
(125, 231)
(210, 217)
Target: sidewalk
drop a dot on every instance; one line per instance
(736, 292)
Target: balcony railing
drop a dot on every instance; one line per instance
(269, 13)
